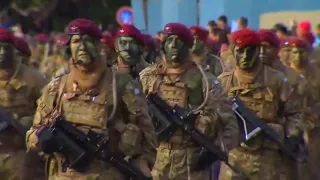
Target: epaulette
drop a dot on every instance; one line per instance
(148, 70)
(53, 86)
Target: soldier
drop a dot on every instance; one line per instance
(201, 53)
(177, 80)
(150, 54)
(129, 44)
(20, 88)
(270, 45)
(269, 56)
(299, 53)
(84, 97)
(62, 58)
(23, 51)
(265, 92)
(40, 51)
(108, 50)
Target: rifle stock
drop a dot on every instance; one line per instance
(252, 126)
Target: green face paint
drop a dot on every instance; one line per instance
(198, 47)
(7, 55)
(175, 50)
(298, 57)
(84, 49)
(246, 57)
(128, 49)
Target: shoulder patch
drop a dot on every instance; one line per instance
(301, 76)
(285, 79)
(136, 91)
(53, 86)
(215, 82)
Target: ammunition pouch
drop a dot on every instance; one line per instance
(130, 142)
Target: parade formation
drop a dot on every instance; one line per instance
(191, 104)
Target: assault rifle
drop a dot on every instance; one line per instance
(251, 127)
(169, 119)
(81, 149)
(7, 120)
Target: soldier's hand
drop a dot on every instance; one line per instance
(202, 160)
(46, 140)
(293, 142)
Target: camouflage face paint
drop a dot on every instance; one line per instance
(198, 47)
(298, 57)
(84, 49)
(128, 49)
(246, 57)
(7, 55)
(175, 49)
(267, 53)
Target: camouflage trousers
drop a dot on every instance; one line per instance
(96, 171)
(172, 164)
(264, 164)
(19, 165)
(314, 152)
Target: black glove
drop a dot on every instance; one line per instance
(293, 143)
(47, 141)
(202, 160)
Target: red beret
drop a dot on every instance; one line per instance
(269, 36)
(22, 46)
(42, 37)
(245, 37)
(304, 26)
(130, 31)
(6, 36)
(84, 26)
(181, 31)
(156, 42)
(294, 41)
(107, 40)
(148, 40)
(200, 32)
(62, 41)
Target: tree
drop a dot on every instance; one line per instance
(57, 13)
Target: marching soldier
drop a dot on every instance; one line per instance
(92, 97)
(179, 81)
(266, 92)
(20, 88)
(129, 46)
(201, 53)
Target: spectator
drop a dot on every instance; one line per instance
(214, 34)
(211, 25)
(242, 23)
(223, 23)
(160, 35)
(318, 35)
(280, 30)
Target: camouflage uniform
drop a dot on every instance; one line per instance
(264, 91)
(119, 112)
(184, 86)
(228, 61)
(40, 52)
(64, 69)
(18, 95)
(137, 63)
(202, 55)
(311, 99)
